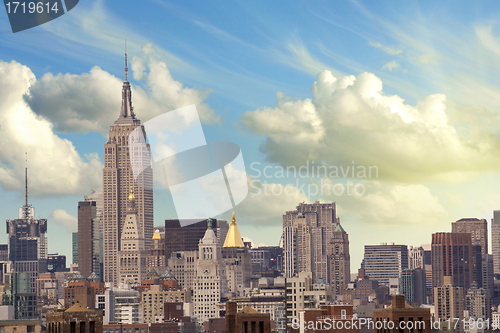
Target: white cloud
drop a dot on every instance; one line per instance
(391, 65)
(389, 49)
(90, 102)
(352, 119)
(63, 219)
(55, 167)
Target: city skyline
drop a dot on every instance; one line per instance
(425, 113)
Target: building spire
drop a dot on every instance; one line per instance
(126, 65)
(26, 209)
(233, 238)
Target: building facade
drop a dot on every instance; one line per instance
(452, 256)
(307, 232)
(127, 163)
(340, 265)
(385, 261)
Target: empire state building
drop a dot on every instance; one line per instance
(125, 151)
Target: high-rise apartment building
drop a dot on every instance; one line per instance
(340, 264)
(307, 232)
(495, 240)
(452, 256)
(385, 261)
(448, 300)
(125, 154)
(27, 241)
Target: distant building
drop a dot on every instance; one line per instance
(83, 290)
(182, 265)
(448, 300)
(127, 163)
(456, 263)
(341, 315)
(186, 237)
(246, 320)
(414, 319)
(132, 255)
(89, 238)
(18, 293)
(478, 229)
(495, 241)
(385, 261)
(307, 232)
(267, 259)
(56, 263)
(74, 243)
(415, 257)
(210, 282)
(413, 285)
(303, 293)
(340, 265)
(75, 319)
(34, 326)
(121, 306)
(156, 252)
(366, 290)
(27, 241)
(47, 289)
(237, 260)
(477, 302)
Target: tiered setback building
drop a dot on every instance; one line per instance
(124, 155)
(307, 233)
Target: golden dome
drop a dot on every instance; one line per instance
(131, 195)
(233, 238)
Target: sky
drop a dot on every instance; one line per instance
(390, 108)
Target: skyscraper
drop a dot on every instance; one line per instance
(132, 254)
(478, 229)
(340, 265)
(307, 233)
(86, 230)
(123, 155)
(27, 241)
(452, 256)
(385, 261)
(495, 240)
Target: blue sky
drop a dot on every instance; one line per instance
(409, 87)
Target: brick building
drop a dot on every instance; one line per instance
(246, 320)
(328, 316)
(412, 319)
(75, 319)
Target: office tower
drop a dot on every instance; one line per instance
(495, 240)
(156, 253)
(27, 241)
(210, 282)
(90, 235)
(415, 257)
(340, 265)
(413, 286)
(74, 243)
(132, 254)
(478, 302)
(448, 300)
(479, 237)
(452, 256)
(307, 232)
(88, 226)
(385, 261)
(237, 260)
(428, 271)
(186, 238)
(56, 263)
(488, 275)
(183, 266)
(124, 156)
